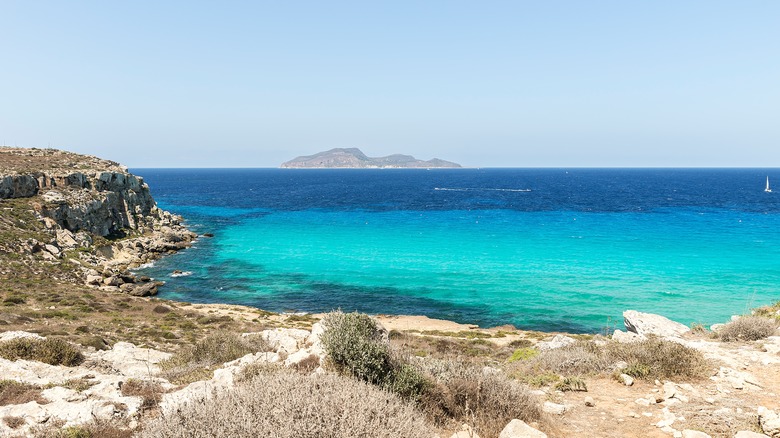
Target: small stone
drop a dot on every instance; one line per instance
(669, 390)
(688, 433)
(749, 434)
(553, 408)
(589, 402)
(519, 429)
(643, 402)
(626, 379)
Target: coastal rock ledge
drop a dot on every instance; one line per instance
(90, 211)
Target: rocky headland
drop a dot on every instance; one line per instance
(86, 351)
(90, 212)
(354, 158)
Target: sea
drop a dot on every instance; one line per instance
(541, 249)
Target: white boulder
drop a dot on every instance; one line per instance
(645, 324)
(519, 429)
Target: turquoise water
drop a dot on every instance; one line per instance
(493, 263)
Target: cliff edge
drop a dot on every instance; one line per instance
(64, 207)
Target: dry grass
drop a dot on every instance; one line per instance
(648, 359)
(13, 422)
(288, 405)
(193, 362)
(150, 392)
(93, 429)
(748, 328)
(50, 351)
(16, 393)
(485, 400)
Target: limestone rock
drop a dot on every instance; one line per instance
(7, 336)
(626, 379)
(557, 341)
(749, 434)
(284, 339)
(519, 429)
(688, 433)
(670, 390)
(143, 290)
(589, 402)
(17, 186)
(770, 422)
(626, 337)
(131, 361)
(553, 408)
(645, 324)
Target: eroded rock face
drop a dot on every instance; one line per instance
(18, 186)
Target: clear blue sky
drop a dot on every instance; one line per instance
(516, 83)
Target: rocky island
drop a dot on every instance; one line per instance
(354, 158)
(86, 351)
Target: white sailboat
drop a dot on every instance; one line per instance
(767, 189)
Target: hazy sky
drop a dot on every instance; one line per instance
(516, 83)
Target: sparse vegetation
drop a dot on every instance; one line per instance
(13, 422)
(150, 392)
(16, 393)
(50, 351)
(288, 405)
(524, 354)
(748, 328)
(485, 400)
(648, 359)
(193, 362)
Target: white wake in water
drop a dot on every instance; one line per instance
(477, 189)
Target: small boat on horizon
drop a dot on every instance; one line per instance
(767, 189)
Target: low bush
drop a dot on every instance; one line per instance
(50, 351)
(287, 405)
(192, 362)
(93, 429)
(524, 353)
(647, 359)
(659, 359)
(571, 384)
(485, 400)
(150, 392)
(748, 328)
(358, 347)
(16, 393)
(13, 422)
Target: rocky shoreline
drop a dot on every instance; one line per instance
(94, 213)
(86, 222)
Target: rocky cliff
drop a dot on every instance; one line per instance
(86, 210)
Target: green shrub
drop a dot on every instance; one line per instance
(50, 351)
(571, 384)
(356, 346)
(748, 328)
(524, 354)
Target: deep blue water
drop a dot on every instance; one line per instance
(549, 249)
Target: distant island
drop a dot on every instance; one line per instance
(354, 158)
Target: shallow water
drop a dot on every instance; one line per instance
(547, 249)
